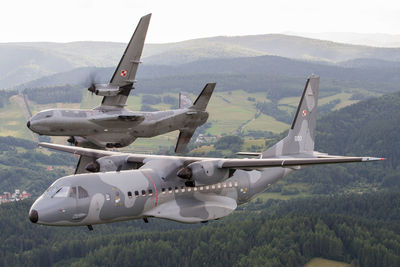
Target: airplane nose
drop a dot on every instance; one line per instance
(33, 216)
(28, 124)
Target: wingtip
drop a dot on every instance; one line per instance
(372, 159)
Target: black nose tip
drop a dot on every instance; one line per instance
(28, 124)
(33, 216)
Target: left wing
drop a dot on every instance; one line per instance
(289, 162)
(246, 164)
(125, 73)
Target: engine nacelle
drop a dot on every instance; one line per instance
(204, 173)
(104, 89)
(109, 163)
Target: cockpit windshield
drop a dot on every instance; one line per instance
(43, 115)
(62, 192)
(66, 191)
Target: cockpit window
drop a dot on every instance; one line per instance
(43, 115)
(62, 192)
(82, 193)
(72, 192)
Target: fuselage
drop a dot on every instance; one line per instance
(116, 126)
(96, 198)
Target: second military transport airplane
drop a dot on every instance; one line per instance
(111, 125)
(185, 189)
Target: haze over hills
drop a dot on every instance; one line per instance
(23, 62)
(368, 39)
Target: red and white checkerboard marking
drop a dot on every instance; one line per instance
(124, 73)
(304, 113)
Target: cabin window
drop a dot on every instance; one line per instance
(236, 184)
(163, 190)
(129, 194)
(82, 193)
(144, 193)
(201, 188)
(189, 189)
(136, 193)
(230, 184)
(213, 187)
(150, 192)
(207, 187)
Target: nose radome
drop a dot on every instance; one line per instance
(33, 216)
(28, 124)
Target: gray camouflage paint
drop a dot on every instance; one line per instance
(178, 202)
(108, 199)
(110, 124)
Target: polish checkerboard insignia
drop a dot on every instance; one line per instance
(124, 73)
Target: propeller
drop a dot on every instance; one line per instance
(91, 82)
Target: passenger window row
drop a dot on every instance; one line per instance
(184, 189)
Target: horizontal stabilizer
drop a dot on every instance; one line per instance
(183, 140)
(204, 97)
(184, 101)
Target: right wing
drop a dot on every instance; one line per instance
(125, 73)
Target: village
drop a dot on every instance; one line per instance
(16, 196)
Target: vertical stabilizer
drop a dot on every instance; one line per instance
(300, 139)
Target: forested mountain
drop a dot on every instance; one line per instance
(23, 62)
(279, 75)
(360, 229)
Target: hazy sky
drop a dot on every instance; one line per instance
(177, 20)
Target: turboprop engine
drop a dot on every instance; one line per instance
(204, 173)
(104, 89)
(110, 163)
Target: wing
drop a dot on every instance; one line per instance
(125, 73)
(194, 209)
(119, 121)
(289, 162)
(183, 139)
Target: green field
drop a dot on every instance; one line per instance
(320, 262)
(230, 112)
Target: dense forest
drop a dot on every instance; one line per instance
(360, 229)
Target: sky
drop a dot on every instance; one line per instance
(178, 20)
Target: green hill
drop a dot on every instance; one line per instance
(23, 62)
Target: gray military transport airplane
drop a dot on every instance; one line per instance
(111, 125)
(111, 186)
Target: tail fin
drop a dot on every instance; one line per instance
(300, 139)
(184, 101)
(204, 97)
